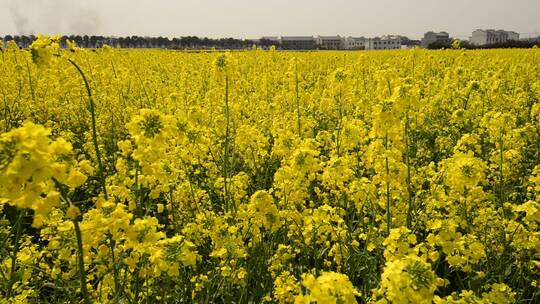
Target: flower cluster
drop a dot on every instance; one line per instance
(266, 176)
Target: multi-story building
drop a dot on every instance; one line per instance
(330, 42)
(512, 36)
(297, 42)
(486, 37)
(388, 42)
(356, 43)
(483, 37)
(432, 37)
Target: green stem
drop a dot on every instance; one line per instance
(18, 230)
(297, 100)
(226, 148)
(466, 211)
(501, 176)
(409, 183)
(82, 272)
(340, 123)
(114, 69)
(388, 211)
(94, 132)
(117, 288)
(30, 82)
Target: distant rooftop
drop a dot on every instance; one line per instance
(330, 37)
(297, 38)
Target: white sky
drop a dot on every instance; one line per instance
(255, 18)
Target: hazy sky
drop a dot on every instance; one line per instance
(254, 18)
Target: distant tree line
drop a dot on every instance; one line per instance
(188, 42)
(194, 42)
(522, 44)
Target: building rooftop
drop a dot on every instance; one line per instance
(329, 37)
(296, 38)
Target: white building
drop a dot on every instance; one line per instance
(513, 36)
(486, 37)
(356, 43)
(389, 42)
(330, 42)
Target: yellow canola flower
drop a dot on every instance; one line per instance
(408, 280)
(263, 211)
(376, 165)
(464, 171)
(30, 164)
(328, 288)
(73, 212)
(43, 49)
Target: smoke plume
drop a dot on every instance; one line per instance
(55, 17)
